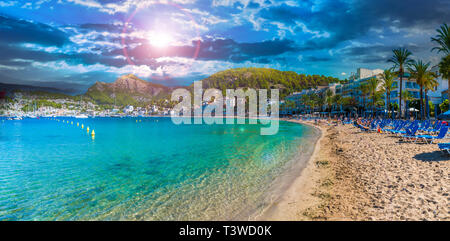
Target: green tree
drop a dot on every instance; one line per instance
(444, 69)
(444, 106)
(387, 83)
(329, 99)
(337, 100)
(401, 59)
(430, 84)
(321, 100)
(364, 88)
(407, 96)
(373, 86)
(420, 73)
(443, 40)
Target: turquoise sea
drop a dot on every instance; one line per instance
(145, 170)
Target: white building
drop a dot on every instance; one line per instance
(436, 95)
(128, 109)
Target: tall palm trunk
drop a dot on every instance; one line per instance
(373, 105)
(448, 89)
(400, 113)
(426, 104)
(421, 103)
(389, 103)
(364, 106)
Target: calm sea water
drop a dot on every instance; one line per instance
(151, 170)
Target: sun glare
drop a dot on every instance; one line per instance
(160, 39)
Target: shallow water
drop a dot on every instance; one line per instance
(151, 170)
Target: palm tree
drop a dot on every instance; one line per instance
(444, 69)
(313, 102)
(407, 97)
(401, 59)
(329, 99)
(337, 100)
(443, 40)
(420, 72)
(364, 88)
(321, 101)
(387, 83)
(305, 101)
(373, 85)
(430, 84)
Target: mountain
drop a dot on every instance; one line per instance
(127, 89)
(131, 90)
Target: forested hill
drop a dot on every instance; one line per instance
(264, 78)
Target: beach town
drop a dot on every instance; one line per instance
(367, 145)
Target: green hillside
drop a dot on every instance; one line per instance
(264, 78)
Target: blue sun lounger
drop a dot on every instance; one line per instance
(441, 135)
(445, 147)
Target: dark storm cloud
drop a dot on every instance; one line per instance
(228, 49)
(378, 49)
(21, 31)
(376, 53)
(346, 20)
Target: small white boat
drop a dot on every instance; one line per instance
(18, 118)
(82, 116)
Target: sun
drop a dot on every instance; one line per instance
(160, 39)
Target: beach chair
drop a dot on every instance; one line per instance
(436, 128)
(426, 138)
(445, 147)
(410, 133)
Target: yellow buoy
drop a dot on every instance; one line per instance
(71, 123)
(136, 121)
(82, 126)
(93, 133)
(78, 124)
(87, 129)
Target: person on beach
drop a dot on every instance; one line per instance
(360, 124)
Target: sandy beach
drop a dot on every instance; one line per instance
(367, 176)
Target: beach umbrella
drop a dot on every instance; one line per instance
(444, 116)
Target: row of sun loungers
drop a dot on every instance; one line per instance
(413, 131)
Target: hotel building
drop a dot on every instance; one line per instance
(362, 76)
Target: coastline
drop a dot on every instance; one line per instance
(298, 195)
(366, 176)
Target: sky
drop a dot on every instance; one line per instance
(71, 44)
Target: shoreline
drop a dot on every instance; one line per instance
(296, 196)
(366, 176)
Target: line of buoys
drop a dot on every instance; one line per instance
(88, 130)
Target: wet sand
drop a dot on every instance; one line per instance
(367, 176)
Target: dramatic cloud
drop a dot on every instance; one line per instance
(77, 42)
